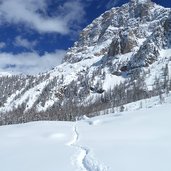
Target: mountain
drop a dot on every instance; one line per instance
(121, 57)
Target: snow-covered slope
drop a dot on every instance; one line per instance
(121, 57)
(2, 74)
(131, 141)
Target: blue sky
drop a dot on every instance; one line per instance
(35, 34)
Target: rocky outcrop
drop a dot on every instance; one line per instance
(118, 31)
(125, 43)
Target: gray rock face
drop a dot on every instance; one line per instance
(125, 43)
(118, 30)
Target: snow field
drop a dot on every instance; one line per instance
(128, 141)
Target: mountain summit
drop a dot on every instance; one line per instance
(121, 57)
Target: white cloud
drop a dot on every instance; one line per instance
(112, 3)
(2, 45)
(33, 13)
(22, 42)
(30, 63)
(72, 9)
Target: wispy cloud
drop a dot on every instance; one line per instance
(2, 45)
(33, 13)
(30, 63)
(112, 3)
(23, 42)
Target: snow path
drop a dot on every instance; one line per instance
(84, 162)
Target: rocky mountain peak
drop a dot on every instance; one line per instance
(120, 27)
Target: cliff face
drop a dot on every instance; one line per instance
(122, 29)
(122, 56)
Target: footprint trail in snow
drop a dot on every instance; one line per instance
(83, 160)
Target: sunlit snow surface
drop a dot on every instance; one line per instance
(129, 141)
